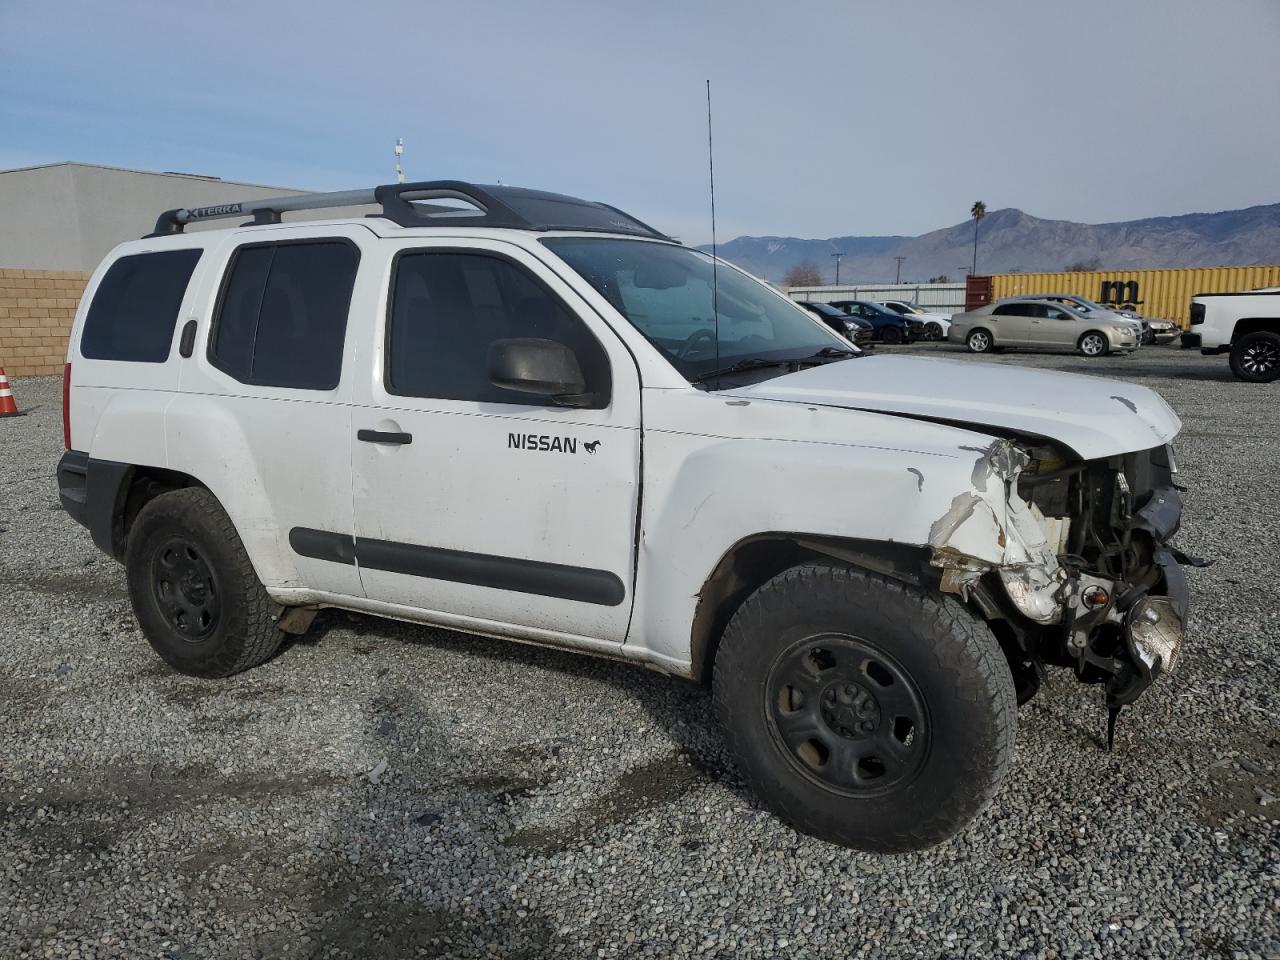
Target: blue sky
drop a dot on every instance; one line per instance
(831, 118)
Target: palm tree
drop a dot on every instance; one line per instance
(977, 211)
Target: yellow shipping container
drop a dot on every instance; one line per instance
(1155, 293)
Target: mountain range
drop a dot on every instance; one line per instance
(1011, 241)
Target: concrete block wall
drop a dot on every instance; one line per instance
(36, 311)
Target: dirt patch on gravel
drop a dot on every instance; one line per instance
(1246, 783)
(639, 789)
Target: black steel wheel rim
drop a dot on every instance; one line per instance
(185, 589)
(847, 715)
(1260, 358)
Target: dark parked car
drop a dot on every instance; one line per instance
(889, 326)
(852, 328)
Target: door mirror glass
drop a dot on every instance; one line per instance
(542, 367)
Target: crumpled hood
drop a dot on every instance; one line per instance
(1093, 416)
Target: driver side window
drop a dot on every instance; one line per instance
(448, 307)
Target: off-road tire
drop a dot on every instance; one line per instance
(1093, 337)
(1255, 357)
(243, 631)
(954, 661)
(979, 341)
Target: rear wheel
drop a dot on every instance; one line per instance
(1255, 357)
(864, 711)
(193, 589)
(891, 335)
(979, 341)
(1093, 344)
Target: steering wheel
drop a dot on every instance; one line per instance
(695, 338)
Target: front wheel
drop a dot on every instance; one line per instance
(979, 341)
(1093, 345)
(195, 593)
(864, 711)
(1255, 357)
(933, 330)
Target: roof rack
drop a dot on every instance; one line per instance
(409, 205)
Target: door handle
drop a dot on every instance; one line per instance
(383, 436)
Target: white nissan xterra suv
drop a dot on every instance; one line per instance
(528, 416)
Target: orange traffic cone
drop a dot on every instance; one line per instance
(8, 408)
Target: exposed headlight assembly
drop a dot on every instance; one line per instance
(1034, 592)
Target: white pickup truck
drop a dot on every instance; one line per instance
(1246, 325)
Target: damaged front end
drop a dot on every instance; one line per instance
(1069, 562)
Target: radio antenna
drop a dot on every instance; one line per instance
(715, 286)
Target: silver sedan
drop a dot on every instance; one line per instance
(1044, 325)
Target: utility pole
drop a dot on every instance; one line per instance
(837, 257)
(399, 154)
(898, 276)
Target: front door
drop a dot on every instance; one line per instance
(478, 503)
(1057, 327)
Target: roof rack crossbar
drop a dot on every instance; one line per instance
(173, 221)
(409, 205)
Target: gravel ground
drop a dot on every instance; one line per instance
(385, 790)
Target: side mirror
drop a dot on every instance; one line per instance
(543, 367)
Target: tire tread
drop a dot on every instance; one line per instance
(251, 610)
(933, 616)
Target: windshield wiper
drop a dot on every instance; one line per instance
(748, 363)
(833, 353)
(824, 355)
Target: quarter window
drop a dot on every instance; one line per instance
(282, 316)
(448, 307)
(136, 306)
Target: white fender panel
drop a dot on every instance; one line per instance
(823, 472)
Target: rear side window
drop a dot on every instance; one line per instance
(1012, 310)
(282, 316)
(135, 308)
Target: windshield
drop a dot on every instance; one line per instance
(665, 292)
(901, 306)
(1078, 304)
(825, 309)
(875, 308)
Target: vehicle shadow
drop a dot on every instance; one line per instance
(680, 707)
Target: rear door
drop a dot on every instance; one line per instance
(262, 415)
(480, 504)
(1011, 323)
